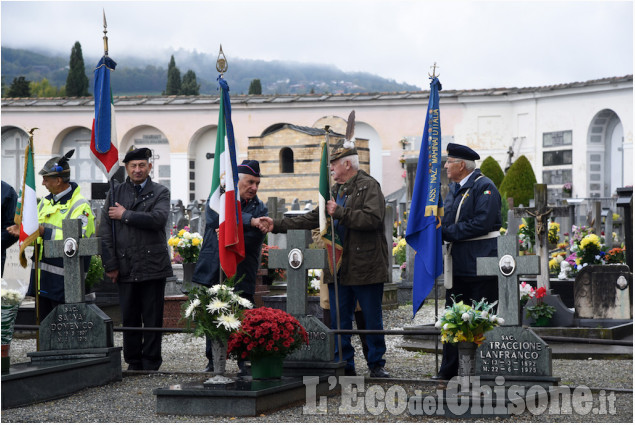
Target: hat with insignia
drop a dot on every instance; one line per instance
(58, 166)
(135, 154)
(346, 146)
(250, 166)
(462, 152)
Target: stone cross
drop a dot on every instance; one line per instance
(541, 212)
(70, 249)
(297, 259)
(507, 267)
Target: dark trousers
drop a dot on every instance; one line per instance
(360, 322)
(45, 306)
(208, 342)
(466, 289)
(370, 300)
(142, 306)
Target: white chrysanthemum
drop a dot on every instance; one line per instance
(189, 311)
(217, 305)
(213, 290)
(465, 317)
(187, 235)
(228, 321)
(243, 302)
(315, 284)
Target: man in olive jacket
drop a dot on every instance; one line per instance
(358, 209)
(138, 259)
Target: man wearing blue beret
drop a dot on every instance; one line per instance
(471, 225)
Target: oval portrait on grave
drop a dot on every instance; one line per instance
(70, 247)
(507, 265)
(295, 258)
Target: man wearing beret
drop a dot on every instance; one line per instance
(358, 209)
(137, 258)
(207, 267)
(471, 224)
(64, 201)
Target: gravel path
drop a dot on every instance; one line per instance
(131, 400)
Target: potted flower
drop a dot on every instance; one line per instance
(186, 248)
(399, 254)
(567, 188)
(267, 335)
(541, 312)
(527, 235)
(466, 326)
(615, 256)
(553, 235)
(526, 292)
(215, 312)
(11, 300)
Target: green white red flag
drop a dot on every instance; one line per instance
(26, 209)
(224, 197)
(325, 224)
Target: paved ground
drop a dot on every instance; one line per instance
(609, 383)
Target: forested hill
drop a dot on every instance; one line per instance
(135, 76)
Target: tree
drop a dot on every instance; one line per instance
(19, 88)
(43, 88)
(173, 85)
(492, 169)
(76, 81)
(189, 86)
(519, 182)
(255, 87)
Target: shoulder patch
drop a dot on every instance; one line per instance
(487, 192)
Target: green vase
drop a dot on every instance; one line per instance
(542, 321)
(267, 367)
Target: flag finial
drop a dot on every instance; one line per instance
(105, 34)
(434, 71)
(221, 62)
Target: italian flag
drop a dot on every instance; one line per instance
(26, 210)
(223, 197)
(325, 228)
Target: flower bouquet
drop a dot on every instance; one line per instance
(526, 292)
(11, 300)
(527, 235)
(553, 234)
(541, 312)
(567, 188)
(266, 332)
(313, 287)
(399, 250)
(187, 245)
(462, 323)
(615, 256)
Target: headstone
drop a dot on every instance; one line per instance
(276, 209)
(297, 259)
(507, 267)
(295, 206)
(541, 212)
(603, 292)
(625, 201)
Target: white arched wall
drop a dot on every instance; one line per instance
(203, 142)
(366, 131)
(162, 162)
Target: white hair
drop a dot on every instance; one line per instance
(353, 159)
(469, 164)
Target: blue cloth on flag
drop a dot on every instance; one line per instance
(424, 223)
(103, 104)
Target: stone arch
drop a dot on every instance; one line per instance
(153, 138)
(83, 169)
(366, 131)
(201, 161)
(286, 160)
(605, 155)
(14, 141)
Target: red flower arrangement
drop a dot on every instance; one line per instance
(274, 274)
(266, 332)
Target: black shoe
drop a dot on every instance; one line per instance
(350, 372)
(379, 372)
(441, 377)
(209, 367)
(133, 366)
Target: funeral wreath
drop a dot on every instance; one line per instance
(463, 323)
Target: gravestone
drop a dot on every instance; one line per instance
(510, 350)
(603, 292)
(297, 259)
(625, 201)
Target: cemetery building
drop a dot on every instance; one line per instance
(579, 132)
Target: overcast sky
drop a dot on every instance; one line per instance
(476, 44)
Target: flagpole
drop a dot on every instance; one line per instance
(337, 296)
(36, 261)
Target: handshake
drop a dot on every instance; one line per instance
(264, 224)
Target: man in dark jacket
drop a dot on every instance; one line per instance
(471, 223)
(9, 201)
(207, 267)
(138, 258)
(358, 208)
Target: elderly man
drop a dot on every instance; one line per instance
(207, 267)
(358, 210)
(137, 258)
(471, 224)
(64, 201)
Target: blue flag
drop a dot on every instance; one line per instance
(424, 223)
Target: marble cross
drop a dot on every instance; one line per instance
(71, 248)
(507, 267)
(297, 259)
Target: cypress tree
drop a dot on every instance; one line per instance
(174, 78)
(492, 169)
(519, 182)
(20, 87)
(189, 85)
(76, 81)
(255, 87)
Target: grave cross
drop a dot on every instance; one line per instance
(297, 259)
(508, 266)
(70, 249)
(541, 212)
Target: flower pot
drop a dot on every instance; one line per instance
(467, 356)
(219, 355)
(267, 367)
(188, 272)
(542, 321)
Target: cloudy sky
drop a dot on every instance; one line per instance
(477, 44)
